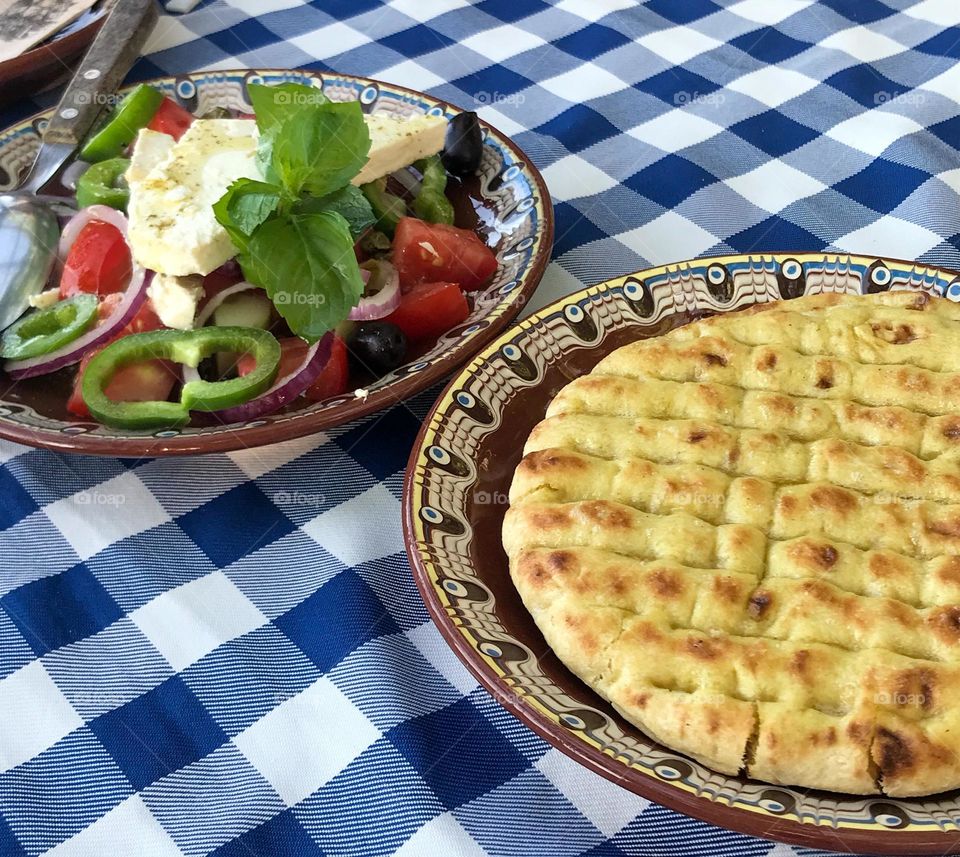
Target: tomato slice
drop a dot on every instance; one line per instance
(430, 309)
(332, 380)
(171, 119)
(99, 262)
(435, 252)
(150, 381)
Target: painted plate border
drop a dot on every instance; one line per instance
(438, 522)
(502, 301)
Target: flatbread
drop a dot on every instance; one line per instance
(745, 534)
(24, 24)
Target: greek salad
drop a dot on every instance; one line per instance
(218, 268)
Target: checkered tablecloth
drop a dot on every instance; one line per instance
(227, 654)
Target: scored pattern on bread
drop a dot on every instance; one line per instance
(746, 535)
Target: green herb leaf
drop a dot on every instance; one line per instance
(273, 105)
(349, 202)
(307, 265)
(245, 205)
(321, 149)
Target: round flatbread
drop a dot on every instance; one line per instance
(745, 534)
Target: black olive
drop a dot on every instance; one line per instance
(463, 145)
(377, 346)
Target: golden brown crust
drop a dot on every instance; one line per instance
(746, 535)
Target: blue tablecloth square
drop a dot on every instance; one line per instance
(281, 834)
(770, 44)
(370, 807)
(510, 10)
(16, 501)
(591, 41)
(9, 844)
(154, 573)
(581, 126)
(774, 133)
(666, 834)
(235, 524)
(417, 40)
(158, 732)
(777, 230)
(946, 43)
(683, 13)
(395, 431)
(76, 776)
(883, 185)
(324, 631)
(456, 768)
(262, 658)
(861, 11)
(687, 178)
(493, 83)
(50, 477)
(57, 610)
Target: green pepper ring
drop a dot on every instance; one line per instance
(43, 331)
(98, 185)
(135, 112)
(188, 347)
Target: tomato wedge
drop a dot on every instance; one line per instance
(141, 382)
(430, 309)
(332, 380)
(435, 252)
(98, 263)
(171, 119)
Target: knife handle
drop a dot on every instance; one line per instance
(111, 56)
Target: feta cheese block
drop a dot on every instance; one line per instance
(397, 143)
(150, 149)
(172, 226)
(175, 299)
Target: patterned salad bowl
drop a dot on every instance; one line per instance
(456, 496)
(508, 201)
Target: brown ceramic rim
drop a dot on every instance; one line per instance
(311, 423)
(886, 842)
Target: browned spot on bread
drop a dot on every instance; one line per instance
(945, 527)
(710, 394)
(903, 464)
(696, 436)
(814, 555)
(759, 603)
(550, 459)
(913, 380)
(883, 566)
(767, 361)
(921, 302)
(833, 499)
(799, 661)
(945, 622)
(787, 503)
(548, 518)
(727, 588)
(951, 431)
(949, 571)
(783, 404)
(901, 613)
(899, 334)
(713, 722)
(606, 514)
(702, 648)
(824, 381)
(915, 688)
(859, 732)
(640, 700)
(892, 752)
(714, 359)
(665, 583)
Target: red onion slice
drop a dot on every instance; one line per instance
(72, 352)
(71, 175)
(382, 302)
(212, 303)
(284, 389)
(102, 213)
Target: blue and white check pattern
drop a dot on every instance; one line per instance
(227, 655)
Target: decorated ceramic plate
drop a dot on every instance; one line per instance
(506, 202)
(456, 495)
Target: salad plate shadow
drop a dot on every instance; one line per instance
(506, 203)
